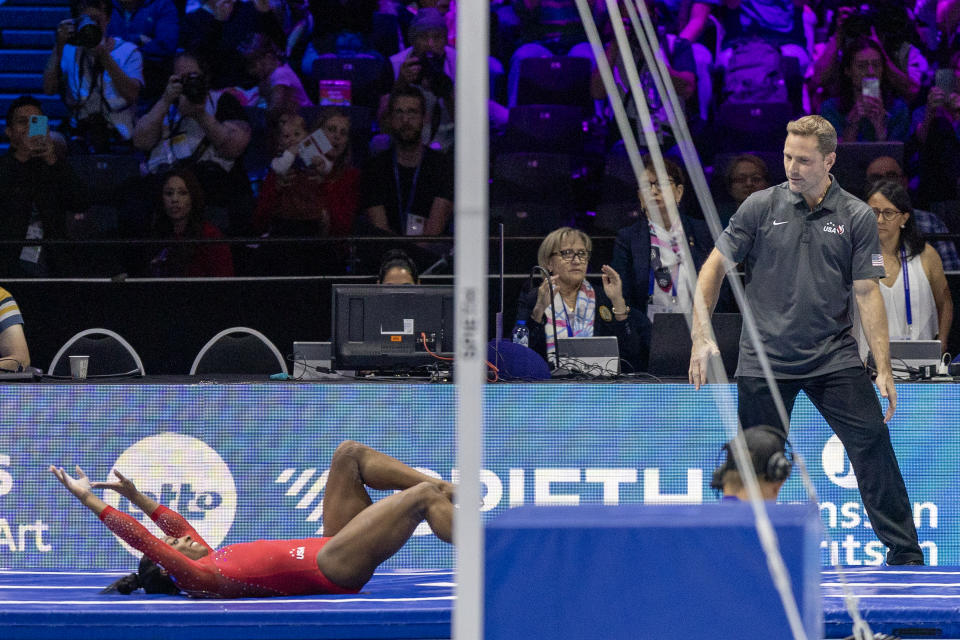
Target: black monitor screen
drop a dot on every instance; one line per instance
(380, 326)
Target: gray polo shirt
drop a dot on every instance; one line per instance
(800, 268)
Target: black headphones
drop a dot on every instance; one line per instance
(776, 468)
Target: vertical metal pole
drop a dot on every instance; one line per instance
(470, 278)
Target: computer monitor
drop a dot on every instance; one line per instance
(379, 327)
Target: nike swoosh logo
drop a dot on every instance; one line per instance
(775, 223)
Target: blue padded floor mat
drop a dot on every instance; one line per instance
(913, 602)
(64, 605)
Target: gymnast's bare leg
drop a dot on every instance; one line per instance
(366, 534)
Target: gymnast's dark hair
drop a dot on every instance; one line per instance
(149, 577)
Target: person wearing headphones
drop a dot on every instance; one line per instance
(772, 464)
(398, 268)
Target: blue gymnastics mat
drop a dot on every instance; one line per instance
(914, 602)
(910, 602)
(68, 606)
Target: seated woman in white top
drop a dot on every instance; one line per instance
(915, 291)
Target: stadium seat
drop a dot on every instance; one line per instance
(239, 350)
(561, 80)
(110, 355)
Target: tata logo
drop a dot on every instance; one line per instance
(830, 227)
(184, 474)
(836, 465)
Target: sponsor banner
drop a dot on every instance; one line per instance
(244, 462)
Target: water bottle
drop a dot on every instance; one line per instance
(521, 335)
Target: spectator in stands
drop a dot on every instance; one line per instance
(207, 130)
(297, 22)
(99, 76)
(408, 189)
(887, 168)
(936, 133)
(582, 310)
(865, 109)
(430, 65)
(152, 25)
(915, 291)
(398, 268)
(14, 354)
(216, 30)
(648, 254)
(315, 198)
(771, 464)
(548, 28)
(279, 87)
(691, 22)
(680, 65)
(38, 188)
(745, 174)
(904, 66)
(181, 217)
(778, 22)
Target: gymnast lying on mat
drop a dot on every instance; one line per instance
(360, 535)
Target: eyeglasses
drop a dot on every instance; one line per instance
(752, 179)
(654, 185)
(889, 175)
(569, 254)
(888, 214)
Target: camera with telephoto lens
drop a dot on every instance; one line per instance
(195, 87)
(86, 33)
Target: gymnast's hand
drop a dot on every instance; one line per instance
(700, 355)
(79, 486)
(125, 487)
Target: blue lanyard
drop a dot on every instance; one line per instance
(673, 290)
(567, 315)
(413, 190)
(906, 285)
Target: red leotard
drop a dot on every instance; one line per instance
(250, 569)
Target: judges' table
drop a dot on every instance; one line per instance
(247, 460)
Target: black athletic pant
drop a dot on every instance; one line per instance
(847, 401)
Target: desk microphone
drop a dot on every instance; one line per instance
(553, 310)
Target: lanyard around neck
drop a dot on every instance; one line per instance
(405, 211)
(906, 285)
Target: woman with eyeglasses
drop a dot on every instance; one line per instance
(915, 291)
(582, 309)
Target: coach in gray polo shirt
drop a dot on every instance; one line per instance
(806, 244)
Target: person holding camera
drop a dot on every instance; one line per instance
(98, 76)
(206, 130)
(866, 110)
(430, 65)
(905, 70)
(38, 188)
(936, 136)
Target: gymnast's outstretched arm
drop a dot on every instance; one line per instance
(169, 521)
(80, 487)
(128, 490)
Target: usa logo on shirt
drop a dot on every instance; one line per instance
(876, 259)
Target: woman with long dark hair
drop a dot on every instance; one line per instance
(181, 218)
(864, 108)
(915, 291)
